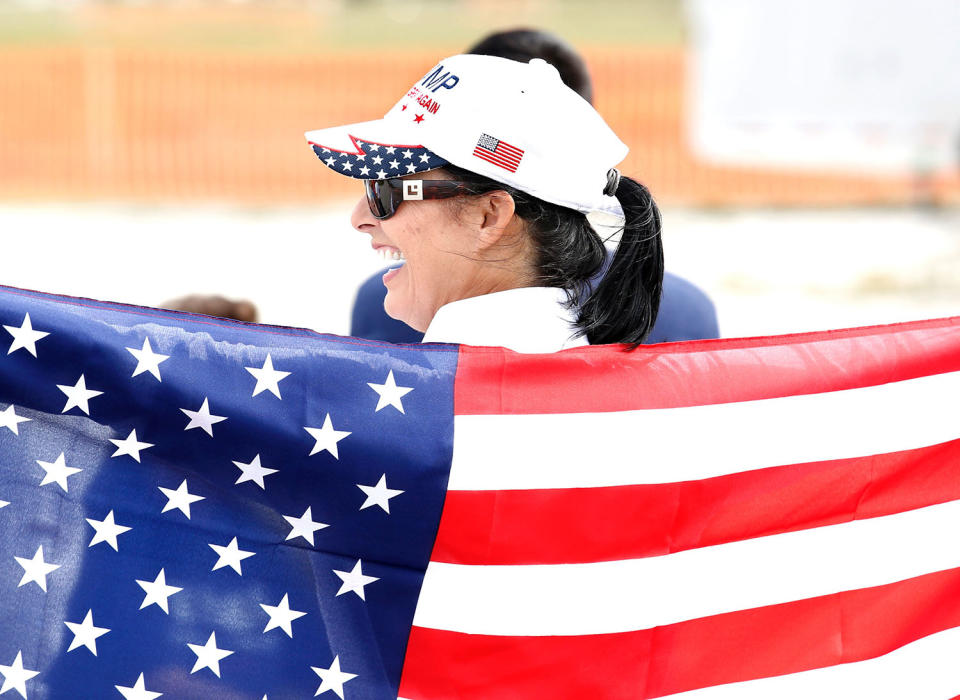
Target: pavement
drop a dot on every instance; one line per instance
(768, 271)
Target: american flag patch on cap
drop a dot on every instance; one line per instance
(498, 152)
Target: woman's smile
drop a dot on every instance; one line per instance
(388, 252)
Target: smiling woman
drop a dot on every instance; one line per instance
(484, 199)
(449, 253)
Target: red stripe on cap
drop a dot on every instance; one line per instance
(509, 150)
(501, 162)
(738, 646)
(360, 151)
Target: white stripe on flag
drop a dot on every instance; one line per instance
(635, 594)
(923, 670)
(501, 452)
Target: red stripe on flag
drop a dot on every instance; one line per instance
(565, 526)
(505, 149)
(739, 646)
(504, 146)
(495, 381)
(507, 163)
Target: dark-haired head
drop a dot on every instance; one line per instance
(568, 253)
(526, 44)
(510, 214)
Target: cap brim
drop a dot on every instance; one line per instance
(372, 150)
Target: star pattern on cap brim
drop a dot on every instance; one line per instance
(352, 165)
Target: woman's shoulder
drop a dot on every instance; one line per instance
(526, 319)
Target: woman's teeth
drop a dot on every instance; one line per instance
(390, 253)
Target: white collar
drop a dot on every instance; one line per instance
(526, 319)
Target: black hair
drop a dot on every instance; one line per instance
(525, 44)
(622, 306)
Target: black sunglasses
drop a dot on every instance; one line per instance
(385, 196)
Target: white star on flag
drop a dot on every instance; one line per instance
(408, 153)
(130, 446)
(390, 393)
(137, 691)
(147, 360)
(347, 165)
(35, 569)
(230, 555)
(85, 634)
(379, 495)
(394, 164)
(304, 526)
(330, 161)
(381, 174)
(326, 437)
(411, 168)
(364, 170)
(390, 150)
(78, 396)
(424, 158)
(253, 472)
(333, 678)
(202, 418)
(157, 592)
(4, 504)
(57, 472)
(354, 580)
(377, 160)
(10, 419)
(180, 498)
(106, 530)
(208, 655)
(268, 378)
(281, 616)
(25, 337)
(15, 676)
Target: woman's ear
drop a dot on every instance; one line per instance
(495, 216)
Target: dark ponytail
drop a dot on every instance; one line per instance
(623, 306)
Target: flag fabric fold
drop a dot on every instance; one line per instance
(207, 509)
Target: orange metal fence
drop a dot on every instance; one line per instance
(79, 123)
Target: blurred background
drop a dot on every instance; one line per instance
(807, 159)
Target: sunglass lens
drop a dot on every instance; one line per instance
(372, 189)
(381, 198)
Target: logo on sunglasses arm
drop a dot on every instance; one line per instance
(412, 189)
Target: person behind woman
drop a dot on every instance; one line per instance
(480, 179)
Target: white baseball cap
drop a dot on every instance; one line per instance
(516, 123)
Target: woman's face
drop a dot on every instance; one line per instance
(439, 242)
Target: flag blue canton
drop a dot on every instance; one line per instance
(378, 161)
(250, 516)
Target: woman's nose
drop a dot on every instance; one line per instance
(361, 218)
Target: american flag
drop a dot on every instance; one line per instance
(235, 511)
(498, 152)
(204, 509)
